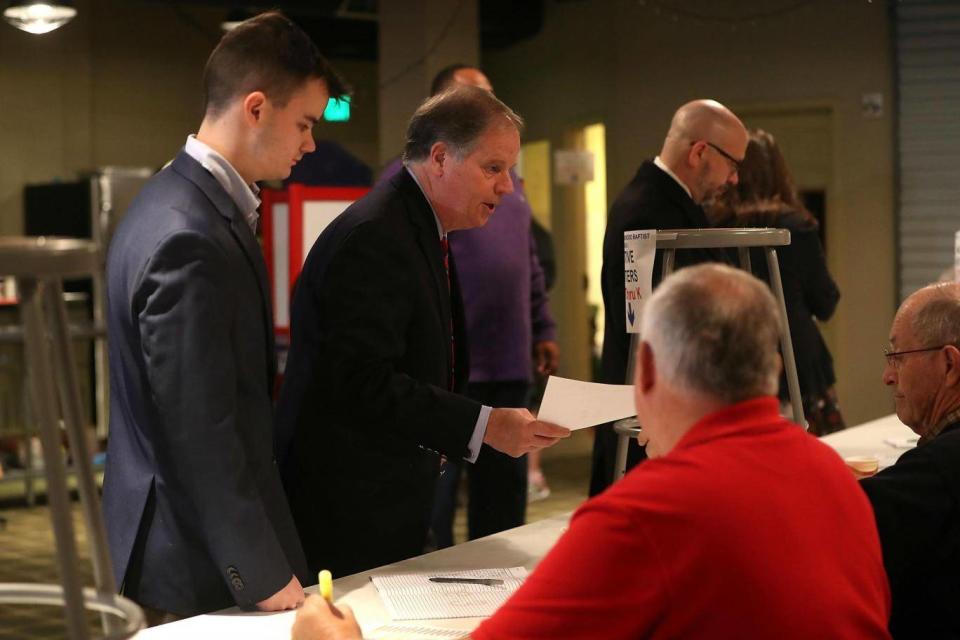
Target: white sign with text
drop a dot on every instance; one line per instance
(639, 248)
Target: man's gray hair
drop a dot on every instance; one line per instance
(936, 320)
(715, 330)
(457, 117)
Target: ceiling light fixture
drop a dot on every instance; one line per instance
(36, 16)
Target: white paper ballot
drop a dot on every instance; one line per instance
(412, 596)
(576, 405)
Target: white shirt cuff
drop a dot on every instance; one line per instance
(479, 432)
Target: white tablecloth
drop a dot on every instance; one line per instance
(872, 439)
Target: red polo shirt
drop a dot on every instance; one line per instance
(749, 528)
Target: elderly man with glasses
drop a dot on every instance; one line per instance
(700, 157)
(916, 500)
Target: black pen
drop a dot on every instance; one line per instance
(489, 582)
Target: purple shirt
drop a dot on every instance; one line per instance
(501, 281)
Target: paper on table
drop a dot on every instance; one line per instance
(902, 443)
(411, 596)
(576, 405)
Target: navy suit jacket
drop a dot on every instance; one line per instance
(195, 510)
(366, 405)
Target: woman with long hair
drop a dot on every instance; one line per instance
(766, 197)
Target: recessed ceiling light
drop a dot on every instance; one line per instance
(36, 16)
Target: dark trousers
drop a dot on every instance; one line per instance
(497, 483)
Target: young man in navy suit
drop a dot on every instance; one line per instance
(196, 515)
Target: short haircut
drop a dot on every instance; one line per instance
(458, 118)
(444, 77)
(936, 320)
(715, 330)
(267, 53)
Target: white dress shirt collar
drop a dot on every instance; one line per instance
(436, 218)
(243, 194)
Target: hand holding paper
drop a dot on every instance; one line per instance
(516, 432)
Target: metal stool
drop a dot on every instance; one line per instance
(39, 265)
(742, 239)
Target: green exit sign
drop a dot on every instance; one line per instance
(338, 109)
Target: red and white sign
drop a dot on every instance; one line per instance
(292, 220)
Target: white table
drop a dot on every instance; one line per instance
(870, 439)
(520, 547)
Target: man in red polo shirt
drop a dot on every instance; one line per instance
(721, 533)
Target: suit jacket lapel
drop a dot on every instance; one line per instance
(226, 207)
(251, 248)
(428, 238)
(461, 359)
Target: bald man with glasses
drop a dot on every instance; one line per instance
(700, 157)
(915, 501)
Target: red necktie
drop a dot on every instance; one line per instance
(445, 248)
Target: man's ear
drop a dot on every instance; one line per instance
(439, 154)
(695, 154)
(646, 376)
(952, 355)
(253, 107)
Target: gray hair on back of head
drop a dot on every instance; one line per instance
(936, 320)
(457, 117)
(715, 330)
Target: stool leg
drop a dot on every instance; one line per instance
(668, 258)
(623, 444)
(28, 482)
(44, 403)
(786, 344)
(744, 253)
(72, 411)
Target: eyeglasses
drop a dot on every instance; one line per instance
(892, 356)
(733, 161)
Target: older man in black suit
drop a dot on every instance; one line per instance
(917, 501)
(378, 352)
(700, 156)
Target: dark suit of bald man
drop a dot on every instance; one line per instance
(652, 200)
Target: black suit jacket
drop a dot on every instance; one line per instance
(917, 506)
(194, 507)
(652, 200)
(366, 406)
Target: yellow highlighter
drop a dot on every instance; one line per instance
(325, 580)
